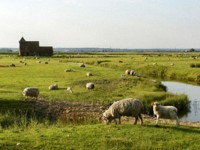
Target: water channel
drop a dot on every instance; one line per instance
(193, 93)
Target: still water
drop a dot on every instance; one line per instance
(193, 93)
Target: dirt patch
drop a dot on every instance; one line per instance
(79, 112)
(152, 119)
(66, 111)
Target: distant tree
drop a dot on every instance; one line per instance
(191, 50)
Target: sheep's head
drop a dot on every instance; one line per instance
(156, 104)
(106, 117)
(155, 107)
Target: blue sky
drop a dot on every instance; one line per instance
(101, 23)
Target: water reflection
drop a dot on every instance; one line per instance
(196, 107)
(193, 93)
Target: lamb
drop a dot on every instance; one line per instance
(165, 112)
(126, 107)
(31, 92)
(90, 86)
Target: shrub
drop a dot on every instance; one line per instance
(179, 101)
(173, 76)
(198, 65)
(192, 65)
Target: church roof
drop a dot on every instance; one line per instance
(22, 40)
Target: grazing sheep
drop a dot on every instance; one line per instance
(132, 72)
(81, 65)
(45, 62)
(69, 89)
(53, 87)
(12, 65)
(154, 64)
(31, 91)
(126, 107)
(127, 72)
(68, 70)
(90, 86)
(165, 112)
(88, 74)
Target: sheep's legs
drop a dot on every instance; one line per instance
(115, 121)
(157, 119)
(136, 119)
(119, 120)
(177, 120)
(141, 120)
(174, 116)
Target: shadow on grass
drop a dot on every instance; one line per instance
(15, 112)
(187, 129)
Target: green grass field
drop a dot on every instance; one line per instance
(109, 87)
(99, 136)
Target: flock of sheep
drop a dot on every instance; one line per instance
(127, 107)
(34, 91)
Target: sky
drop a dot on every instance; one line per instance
(101, 23)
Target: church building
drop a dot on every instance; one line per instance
(32, 48)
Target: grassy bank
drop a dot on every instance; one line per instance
(100, 136)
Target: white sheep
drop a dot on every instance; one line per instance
(132, 72)
(154, 64)
(69, 89)
(126, 107)
(127, 72)
(81, 65)
(68, 70)
(88, 74)
(12, 65)
(53, 87)
(90, 86)
(31, 91)
(165, 112)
